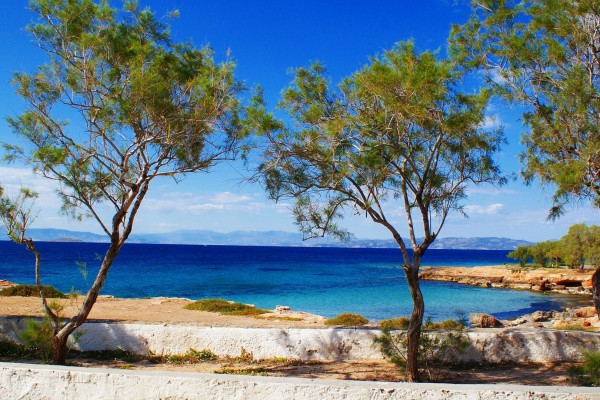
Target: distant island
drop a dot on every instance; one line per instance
(269, 238)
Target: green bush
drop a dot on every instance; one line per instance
(347, 319)
(394, 323)
(224, 307)
(436, 349)
(16, 351)
(191, 357)
(587, 374)
(37, 336)
(32, 291)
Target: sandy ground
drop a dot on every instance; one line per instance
(168, 310)
(157, 310)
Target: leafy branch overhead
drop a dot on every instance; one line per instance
(397, 130)
(545, 56)
(139, 105)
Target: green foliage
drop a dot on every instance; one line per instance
(401, 133)
(522, 254)
(37, 336)
(16, 214)
(581, 245)
(439, 344)
(542, 55)
(347, 319)
(191, 357)
(14, 351)
(143, 106)
(252, 371)
(32, 291)
(224, 307)
(394, 323)
(588, 373)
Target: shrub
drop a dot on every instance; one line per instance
(37, 336)
(347, 319)
(15, 351)
(394, 323)
(32, 291)
(224, 307)
(587, 374)
(436, 349)
(191, 357)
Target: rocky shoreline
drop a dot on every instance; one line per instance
(555, 280)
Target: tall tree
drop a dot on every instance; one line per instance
(396, 135)
(545, 56)
(141, 107)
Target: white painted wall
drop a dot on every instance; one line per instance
(45, 382)
(492, 345)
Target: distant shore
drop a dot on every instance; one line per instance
(554, 280)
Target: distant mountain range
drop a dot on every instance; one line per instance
(269, 238)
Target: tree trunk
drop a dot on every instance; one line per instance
(596, 290)
(415, 323)
(59, 348)
(59, 341)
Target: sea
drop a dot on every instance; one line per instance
(321, 280)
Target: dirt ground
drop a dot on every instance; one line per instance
(168, 310)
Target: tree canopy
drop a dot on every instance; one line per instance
(118, 104)
(396, 137)
(545, 56)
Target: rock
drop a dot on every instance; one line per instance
(539, 316)
(484, 321)
(518, 321)
(585, 312)
(282, 308)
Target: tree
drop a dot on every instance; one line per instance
(397, 133)
(142, 107)
(574, 245)
(522, 254)
(545, 56)
(592, 256)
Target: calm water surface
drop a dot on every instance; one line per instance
(325, 281)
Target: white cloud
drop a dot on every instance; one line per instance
(492, 209)
(491, 122)
(185, 202)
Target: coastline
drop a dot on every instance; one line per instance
(552, 280)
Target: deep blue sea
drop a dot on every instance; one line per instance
(324, 281)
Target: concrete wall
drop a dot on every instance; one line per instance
(41, 382)
(492, 345)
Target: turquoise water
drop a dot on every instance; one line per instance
(325, 281)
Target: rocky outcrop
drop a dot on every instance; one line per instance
(559, 280)
(484, 321)
(6, 284)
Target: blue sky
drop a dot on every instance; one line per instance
(267, 39)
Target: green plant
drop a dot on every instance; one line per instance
(260, 371)
(347, 319)
(576, 327)
(37, 336)
(224, 307)
(16, 351)
(191, 357)
(32, 291)
(436, 349)
(394, 323)
(588, 373)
